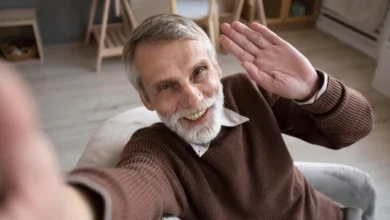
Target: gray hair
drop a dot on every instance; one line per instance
(161, 27)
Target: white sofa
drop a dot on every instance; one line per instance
(344, 184)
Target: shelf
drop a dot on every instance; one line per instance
(290, 10)
(17, 17)
(273, 8)
(300, 18)
(278, 13)
(295, 25)
(271, 21)
(301, 8)
(34, 61)
(286, 21)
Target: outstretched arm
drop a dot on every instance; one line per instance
(31, 183)
(140, 187)
(33, 188)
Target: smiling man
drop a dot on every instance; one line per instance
(219, 151)
(183, 86)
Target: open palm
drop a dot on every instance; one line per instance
(270, 61)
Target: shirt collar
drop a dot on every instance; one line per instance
(229, 119)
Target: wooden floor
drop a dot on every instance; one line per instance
(74, 100)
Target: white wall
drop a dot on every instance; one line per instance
(381, 79)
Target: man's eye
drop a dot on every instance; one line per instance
(165, 86)
(199, 70)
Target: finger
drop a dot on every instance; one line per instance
(239, 39)
(257, 75)
(235, 50)
(267, 33)
(26, 158)
(255, 37)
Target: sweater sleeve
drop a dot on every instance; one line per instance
(140, 187)
(339, 118)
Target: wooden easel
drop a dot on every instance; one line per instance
(111, 37)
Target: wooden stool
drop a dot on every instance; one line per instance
(111, 37)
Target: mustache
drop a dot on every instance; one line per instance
(205, 104)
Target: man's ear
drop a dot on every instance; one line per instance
(146, 102)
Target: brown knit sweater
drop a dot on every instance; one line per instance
(247, 173)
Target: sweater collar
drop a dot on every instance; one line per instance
(229, 119)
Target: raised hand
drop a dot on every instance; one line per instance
(270, 61)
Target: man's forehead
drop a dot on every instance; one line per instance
(169, 60)
(154, 57)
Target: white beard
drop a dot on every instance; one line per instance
(198, 134)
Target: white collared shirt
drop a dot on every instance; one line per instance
(228, 119)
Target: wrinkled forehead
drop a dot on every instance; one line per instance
(169, 57)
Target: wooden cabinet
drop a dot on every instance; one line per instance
(283, 13)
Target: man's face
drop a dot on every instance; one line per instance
(183, 86)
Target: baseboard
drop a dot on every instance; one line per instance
(348, 36)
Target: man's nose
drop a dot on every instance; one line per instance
(191, 97)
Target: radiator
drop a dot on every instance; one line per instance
(358, 23)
